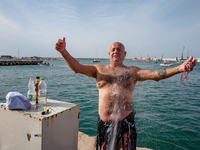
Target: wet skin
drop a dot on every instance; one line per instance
(115, 92)
(115, 81)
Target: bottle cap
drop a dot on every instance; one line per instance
(41, 78)
(37, 77)
(31, 79)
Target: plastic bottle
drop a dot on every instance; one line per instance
(36, 89)
(42, 92)
(31, 94)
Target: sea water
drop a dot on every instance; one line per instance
(168, 113)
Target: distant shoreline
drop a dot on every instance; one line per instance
(61, 58)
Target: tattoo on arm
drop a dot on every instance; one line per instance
(129, 106)
(162, 72)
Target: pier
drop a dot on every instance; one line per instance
(19, 62)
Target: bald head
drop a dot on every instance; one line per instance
(117, 44)
(117, 53)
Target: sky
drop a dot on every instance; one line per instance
(146, 27)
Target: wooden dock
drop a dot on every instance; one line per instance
(19, 62)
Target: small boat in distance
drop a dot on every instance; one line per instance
(46, 64)
(96, 60)
(165, 63)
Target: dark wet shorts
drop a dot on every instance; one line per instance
(109, 134)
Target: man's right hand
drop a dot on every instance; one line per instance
(60, 45)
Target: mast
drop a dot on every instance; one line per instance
(18, 53)
(162, 57)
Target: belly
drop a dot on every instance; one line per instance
(115, 104)
(108, 115)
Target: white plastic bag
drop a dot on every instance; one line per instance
(15, 100)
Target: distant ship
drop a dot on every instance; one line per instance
(142, 59)
(96, 60)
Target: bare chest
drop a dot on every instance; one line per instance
(122, 79)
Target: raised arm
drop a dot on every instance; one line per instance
(88, 70)
(160, 74)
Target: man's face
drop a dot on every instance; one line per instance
(117, 52)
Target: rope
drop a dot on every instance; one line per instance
(188, 65)
(184, 75)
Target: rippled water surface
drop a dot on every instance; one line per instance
(168, 113)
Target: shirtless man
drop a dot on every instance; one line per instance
(116, 83)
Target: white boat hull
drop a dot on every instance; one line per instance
(165, 64)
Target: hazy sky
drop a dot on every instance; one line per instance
(145, 27)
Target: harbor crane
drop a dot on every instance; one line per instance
(182, 53)
(188, 55)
